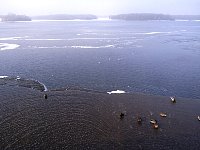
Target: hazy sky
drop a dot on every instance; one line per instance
(99, 7)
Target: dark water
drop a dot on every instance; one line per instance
(82, 120)
(154, 57)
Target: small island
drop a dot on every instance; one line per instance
(141, 17)
(151, 16)
(66, 17)
(187, 17)
(14, 17)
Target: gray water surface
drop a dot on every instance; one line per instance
(154, 57)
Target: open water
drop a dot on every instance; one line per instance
(153, 57)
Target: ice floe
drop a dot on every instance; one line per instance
(181, 20)
(10, 38)
(150, 33)
(45, 39)
(85, 47)
(103, 19)
(117, 92)
(2, 77)
(7, 46)
(106, 46)
(74, 46)
(153, 33)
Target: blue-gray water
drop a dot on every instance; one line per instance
(154, 57)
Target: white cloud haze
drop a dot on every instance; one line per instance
(99, 7)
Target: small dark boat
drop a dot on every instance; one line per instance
(139, 120)
(45, 96)
(173, 99)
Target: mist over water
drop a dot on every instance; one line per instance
(99, 7)
(154, 57)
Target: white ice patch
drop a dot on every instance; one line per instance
(93, 39)
(117, 92)
(70, 39)
(181, 20)
(2, 77)
(94, 47)
(10, 38)
(18, 78)
(152, 33)
(75, 20)
(7, 46)
(103, 19)
(45, 39)
(85, 47)
(63, 47)
(107, 46)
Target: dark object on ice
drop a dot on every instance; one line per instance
(139, 120)
(45, 96)
(121, 115)
(198, 118)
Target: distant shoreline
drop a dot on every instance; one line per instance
(87, 17)
(65, 17)
(104, 19)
